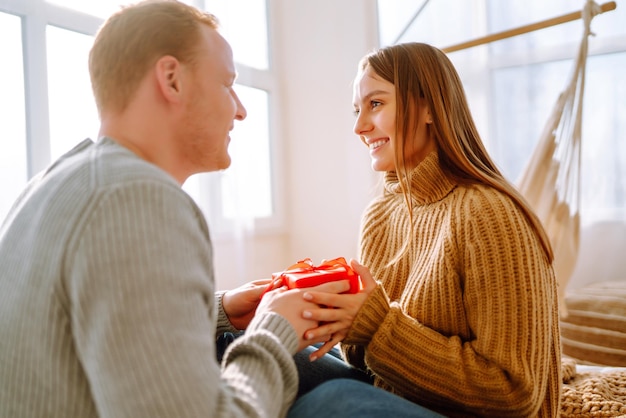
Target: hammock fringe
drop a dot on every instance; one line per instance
(550, 181)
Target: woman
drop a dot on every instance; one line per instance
(464, 320)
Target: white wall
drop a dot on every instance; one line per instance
(601, 254)
(325, 170)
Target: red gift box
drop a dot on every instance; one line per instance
(304, 274)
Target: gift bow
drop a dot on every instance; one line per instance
(307, 265)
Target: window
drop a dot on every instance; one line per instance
(244, 195)
(100, 8)
(48, 107)
(246, 32)
(13, 158)
(513, 84)
(250, 170)
(246, 186)
(72, 110)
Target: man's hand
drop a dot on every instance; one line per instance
(292, 306)
(240, 303)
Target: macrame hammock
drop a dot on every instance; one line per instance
(551, 180)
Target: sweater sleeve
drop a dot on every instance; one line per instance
(140, 281)
(501, 368)
(223, 323)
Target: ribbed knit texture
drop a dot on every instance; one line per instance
(467, 322)
(107, 303)
(593, 392)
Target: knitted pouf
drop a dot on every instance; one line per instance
(594, 330)
(593, 391)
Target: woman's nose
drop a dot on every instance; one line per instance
(361, 125)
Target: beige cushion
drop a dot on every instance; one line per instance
(594, 330)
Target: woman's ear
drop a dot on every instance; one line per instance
(429, 116)
(424, 111)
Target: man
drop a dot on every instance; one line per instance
(107, 302)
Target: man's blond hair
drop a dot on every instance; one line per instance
(132, 40)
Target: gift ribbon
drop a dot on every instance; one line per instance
(306, 265)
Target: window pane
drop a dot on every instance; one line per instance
(246, 185)
(504, 15)
(440, 23)
(73, 114)
(13, 159)
(394, 16)
(100, 8)
(523, 100)
(604, 139)
(244, 25)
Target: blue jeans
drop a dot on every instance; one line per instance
(349, 398)
(310, 374)
(331, 387)
(329, 366)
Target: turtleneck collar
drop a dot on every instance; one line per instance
(428, 182)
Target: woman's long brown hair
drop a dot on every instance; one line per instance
(421, 72)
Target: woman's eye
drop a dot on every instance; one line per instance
(356, 112)
(374, 104)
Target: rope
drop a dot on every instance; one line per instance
(551, 179)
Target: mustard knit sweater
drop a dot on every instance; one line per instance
(466, 323)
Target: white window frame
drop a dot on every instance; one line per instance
(476, 66)
(36, 15)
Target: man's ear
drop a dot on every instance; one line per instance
(169, 77)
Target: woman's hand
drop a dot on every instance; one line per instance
(240, 303)
(336, 322)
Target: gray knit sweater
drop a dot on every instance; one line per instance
(108, 305)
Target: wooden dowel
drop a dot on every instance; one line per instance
(525, 29)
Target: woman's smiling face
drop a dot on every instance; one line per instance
(375, 109)
(374, 102)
